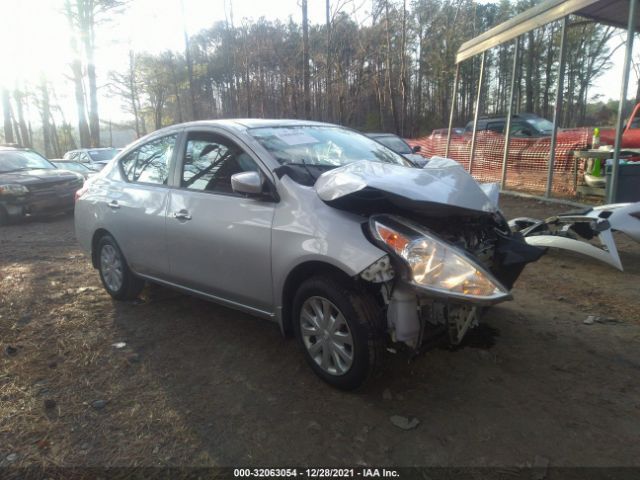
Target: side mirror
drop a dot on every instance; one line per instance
(416, 149)
(248, 183)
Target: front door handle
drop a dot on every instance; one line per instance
(113, 204)
(182, 215)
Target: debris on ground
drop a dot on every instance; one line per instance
(49, 404)
(12, 457)
(591, 319)
(119, 345)
(10, 350)
(404, 423)
(99, 404)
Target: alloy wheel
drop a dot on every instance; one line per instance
(111, 267)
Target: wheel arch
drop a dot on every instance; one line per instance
(298, 275)
(97, 236)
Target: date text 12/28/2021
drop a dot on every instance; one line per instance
(360, 472)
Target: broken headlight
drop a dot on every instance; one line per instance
(434, 264)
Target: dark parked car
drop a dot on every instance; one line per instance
(522, 125)
(398, 145)
(84, 169)
(31, 185)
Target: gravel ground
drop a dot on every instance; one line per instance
(199, 384)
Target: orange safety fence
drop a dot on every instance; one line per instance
(527, 163)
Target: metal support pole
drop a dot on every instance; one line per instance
(557, 111)
(477, 112)
(507, 137)
(453, 108)
(615, 168)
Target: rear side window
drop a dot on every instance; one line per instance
(150, 162)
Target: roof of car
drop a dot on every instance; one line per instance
(245, 123)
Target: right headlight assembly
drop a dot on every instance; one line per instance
(435, 265)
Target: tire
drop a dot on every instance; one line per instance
(117, 279)
(354, 315)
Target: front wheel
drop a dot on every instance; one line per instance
(117, 278)
(339, 328)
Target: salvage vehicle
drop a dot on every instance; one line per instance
(580, 231)
(399, 145)
(330, 234)
(31, 185)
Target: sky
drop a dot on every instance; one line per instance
(35, 32)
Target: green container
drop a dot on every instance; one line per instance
(628, 183)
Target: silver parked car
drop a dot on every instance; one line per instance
(314, 226)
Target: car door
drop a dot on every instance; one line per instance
(219, 242)
(136, 205)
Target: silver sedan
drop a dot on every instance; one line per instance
(314, 226)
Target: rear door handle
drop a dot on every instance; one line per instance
(113, 204)
(182, 215)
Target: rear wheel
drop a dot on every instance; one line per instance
(339, 328)
(117, 278)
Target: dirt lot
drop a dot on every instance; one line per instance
(198, 384)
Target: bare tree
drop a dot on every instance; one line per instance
(305, 60)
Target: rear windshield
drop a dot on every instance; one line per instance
(15, 161)
(102, 155)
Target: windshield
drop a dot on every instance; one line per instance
(102, 155)
(16, 160)
(542, 125)
(323, 146)
(76, 167)
(394, 143)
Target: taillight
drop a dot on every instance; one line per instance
(81, 192)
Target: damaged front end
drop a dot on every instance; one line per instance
(450, 252)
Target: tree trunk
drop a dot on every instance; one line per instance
(24, 131)
(305, 61)
(6, 110)
(46, 119)
(187, 57)
(329, 88)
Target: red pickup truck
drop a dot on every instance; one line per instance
(630, 134)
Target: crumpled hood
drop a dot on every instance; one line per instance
(441, 188)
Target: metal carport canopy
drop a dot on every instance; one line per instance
(611, 12)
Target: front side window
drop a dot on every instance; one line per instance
(150, 162)
(322, 146)
(210, 160)
(496, 127)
